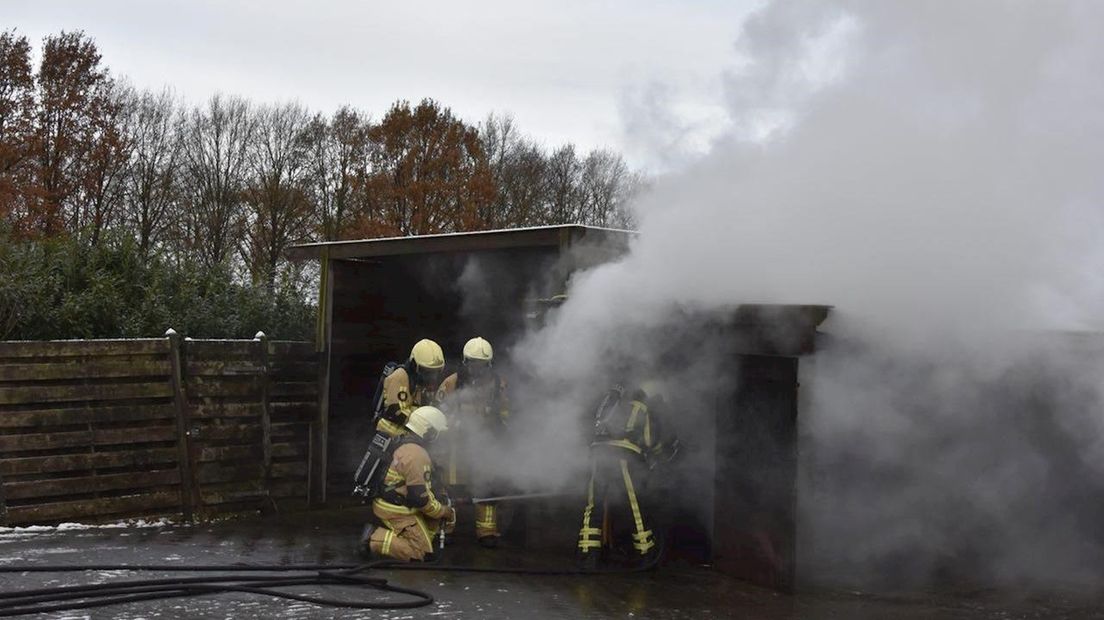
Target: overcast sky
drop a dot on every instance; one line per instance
(641, 77)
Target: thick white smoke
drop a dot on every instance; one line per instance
(933, 171)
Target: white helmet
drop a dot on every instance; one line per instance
(478, 350)
(427, 422)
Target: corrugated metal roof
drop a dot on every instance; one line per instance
(540, 236)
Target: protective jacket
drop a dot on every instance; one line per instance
(407, 505)
(475, 402)
(479, 410)
(400, 398)
(627, 435)
(631, 421)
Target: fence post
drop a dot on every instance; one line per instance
(266, 411)
(183, 424)
(3, 504)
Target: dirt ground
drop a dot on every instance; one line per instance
(328, 537)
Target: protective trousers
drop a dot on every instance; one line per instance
(612, 474)
(464, 479)
(486, 520)
(404, 537)
(486, 513)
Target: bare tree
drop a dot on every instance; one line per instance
(623, 216)
(562, 186)
(215, 157)
(501, 144)
(155, 160)
(337, 151)
(277, 207)
(103, 182)
(523, 184)
(534, 187)
(603, 187)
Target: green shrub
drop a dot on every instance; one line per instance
(64, 288)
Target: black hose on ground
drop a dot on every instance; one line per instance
(68, 598)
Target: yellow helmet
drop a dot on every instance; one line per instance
(427, 422)
(651, 388)
(427, 355)
(478, 350)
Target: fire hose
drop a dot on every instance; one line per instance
(251, 579)
(68, 598)
(486, 500)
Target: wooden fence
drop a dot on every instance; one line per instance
(104, 429)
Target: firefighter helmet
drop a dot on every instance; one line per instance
(427, 355)
(651, 389)
(427, 422)
(478, 350)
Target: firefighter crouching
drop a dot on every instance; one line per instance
(627, 442)
(410, 386)
(410, 512)
(475, 397)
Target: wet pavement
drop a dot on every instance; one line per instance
(326, 537)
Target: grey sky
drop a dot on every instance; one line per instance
(568, 70)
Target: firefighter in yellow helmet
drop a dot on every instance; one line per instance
(475, 397)
(410, 386)
(410, 512)
(627, 442)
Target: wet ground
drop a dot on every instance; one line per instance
(326, 537)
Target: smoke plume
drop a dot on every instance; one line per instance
(932, 171)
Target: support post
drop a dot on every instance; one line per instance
(183, 427)
(3, 504)
(319, 429)
(266, 411)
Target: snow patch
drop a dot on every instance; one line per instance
(72, 527)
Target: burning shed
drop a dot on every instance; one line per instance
(379, 296)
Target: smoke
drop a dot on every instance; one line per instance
(932, 171)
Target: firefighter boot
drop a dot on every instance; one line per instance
(649, 559)
(364, 545)
(587, 562)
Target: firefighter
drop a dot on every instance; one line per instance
(406, 505)
(627, 442)
(475, 397)
(410, 386)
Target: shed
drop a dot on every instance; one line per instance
(379, 296)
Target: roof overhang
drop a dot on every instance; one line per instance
(541, 236)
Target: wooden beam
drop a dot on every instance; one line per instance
(73, 393)
(142, 457)
(67, 487)
(266, 413)
(84, 415)
(106, 368)
(211, 350)
(80, 439)
(546, 236)
(239, 433)
(183, 427)
(212, 454)
(82, 348)
(218, 409)
(3, 503)
(145, 504)
(319, 428)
